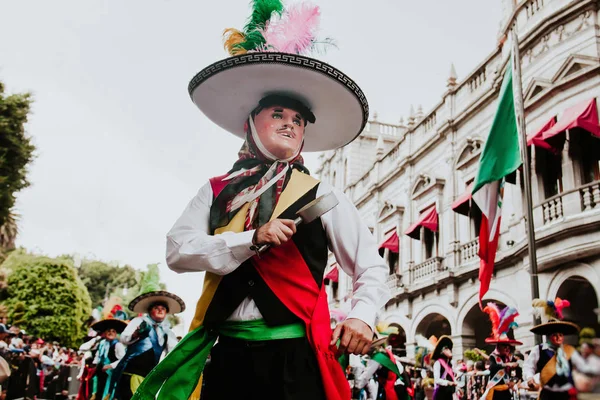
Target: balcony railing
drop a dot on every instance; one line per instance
(590, 196)
(427, 269)
(552, 209)
(469, 251)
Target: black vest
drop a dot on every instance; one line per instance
(545, 357)
(245, 281)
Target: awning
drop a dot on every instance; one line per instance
(536, 138)
(583, 115)
(334, 274)
(462, 205)
(428, 219)
(391, 242)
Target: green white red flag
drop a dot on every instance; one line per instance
(499, 158)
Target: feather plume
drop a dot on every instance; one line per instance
(494, 312)
(294, 31)
(547, 307)
(262, 11)
(232, 41)
(423, 350)
(422, 342)
(559, 304)
(507, 320)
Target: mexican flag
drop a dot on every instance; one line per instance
(500, 157)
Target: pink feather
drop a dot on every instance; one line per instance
(494, 313)
(508, 316)
(294, 31)
(559, 304)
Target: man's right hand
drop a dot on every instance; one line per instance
(274, 233)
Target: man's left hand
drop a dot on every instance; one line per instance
(355, 337)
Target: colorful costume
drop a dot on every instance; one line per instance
(554, 363)
(108, 354)
(270, 313)
(442, 370)
(147, 340)
(501, 365)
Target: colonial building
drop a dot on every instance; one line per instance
(411, 184)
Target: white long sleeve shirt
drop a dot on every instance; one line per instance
(438, 371)
(119, 353)
(127, 336)
(578, 362)
(190, 248)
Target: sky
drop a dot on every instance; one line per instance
(121, 149)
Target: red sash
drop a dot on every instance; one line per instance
(293, 283)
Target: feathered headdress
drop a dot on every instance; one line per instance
(551, 314)
(502, 321)
(423, 350)
(275, 28)
(550, 310)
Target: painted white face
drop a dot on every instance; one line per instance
(280, 130)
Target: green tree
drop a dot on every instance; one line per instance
(16, 152)
(47, 297)
(103, 280)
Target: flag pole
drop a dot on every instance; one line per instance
(520, 111)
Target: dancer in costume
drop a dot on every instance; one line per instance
(269, 310)
(554, 360)
(149, 337)
(108, 354)
(502, 360)
(393, 382)
(443, 376)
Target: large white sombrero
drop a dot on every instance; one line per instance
(142, 303)
(152, 293)
(228, 90)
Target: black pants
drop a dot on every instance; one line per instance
(124, 388)
(284, 369)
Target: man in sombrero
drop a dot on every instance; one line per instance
(502, 361)
(109, 351)
(269, 311)
(148, 337)
(553, 359)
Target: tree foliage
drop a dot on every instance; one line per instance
(16, 151)
(103, 280)
(47, 297)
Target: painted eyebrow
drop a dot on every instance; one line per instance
(278, 110)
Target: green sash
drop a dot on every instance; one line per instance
(384, 360)
(177, 375)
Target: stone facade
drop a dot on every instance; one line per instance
(394, 172)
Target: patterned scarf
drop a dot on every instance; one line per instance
(258, 178)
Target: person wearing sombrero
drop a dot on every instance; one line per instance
(443, 375)
(109, 350)
(269, 309)
(553, 359)
(148, 337)
(502, 361)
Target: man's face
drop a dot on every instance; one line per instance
(556, 339)
(111, 334)
(280, 130)
(158, 312)
(504, 349)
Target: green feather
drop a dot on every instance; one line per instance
(261, 13)
(262, 10)
(150, 280)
